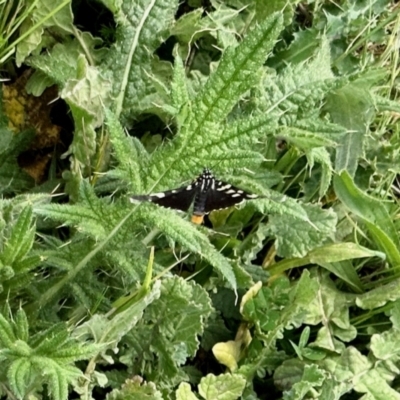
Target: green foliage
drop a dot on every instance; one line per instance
(45, 358)
(294, 293)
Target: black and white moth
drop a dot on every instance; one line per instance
(205, 192)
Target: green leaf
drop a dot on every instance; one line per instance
(319, 226)
(298, 90)
(129, 151)
(373, 213)
(222, 387)
(386, 346)
(129, 63)
(184, 392)
(12, 177)
(136, 389)
(46, 14)
(21, 325)
(312, 377)
(110, 331)
(21, 239)
(379, 296)
(321, 155)
(85, 96)
(185, 233)
(352, 107)
(202, 136)
(168, 332)
(7, 337)
(332, 308)
(19, 375)
(59, 64)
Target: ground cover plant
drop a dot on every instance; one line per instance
(291, 295)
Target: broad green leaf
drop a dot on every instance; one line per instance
(330, 307)
(46, 14)
(85, 96)
(296, 237)
(330, 257)
(291, 309)
(373, 213)
(222, 387)
(59, 64)
(141, 28)
(312, 377)
(352, 107)
(379, 296)
(376, 386)
(305, 139)
(386, 346)
(184, 392)
(168, 332)
(299, 89)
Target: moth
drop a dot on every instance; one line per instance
(205, 192)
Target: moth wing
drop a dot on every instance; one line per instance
(225, 195)
(178, 199)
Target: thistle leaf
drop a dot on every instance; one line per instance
(188, 236)
(141, 28)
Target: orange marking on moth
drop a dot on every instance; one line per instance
(197, 219)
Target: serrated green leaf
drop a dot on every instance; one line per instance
(222, 387)
(379, 296)
(321, 224)
(136, 389)
(21, 239)
(237, 72)
(19, 376)
(21, 325)
(46, 14)
(321, 155)
(312, 377)
(74, 215)
(129, 63)
(85, 96)
(7, 337)
(169, 328)
(51, 339)
(179, 90)
(59, 64)
(185, 233)
(299, 89)
(129, 151)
